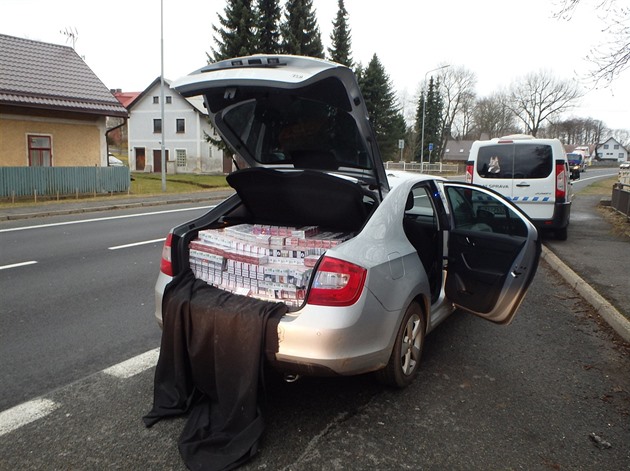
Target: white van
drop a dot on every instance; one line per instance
(531, 172)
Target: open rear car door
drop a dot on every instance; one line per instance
(493, 252)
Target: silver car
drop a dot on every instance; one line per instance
(393, 254)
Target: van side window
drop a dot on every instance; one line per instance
(515, 161)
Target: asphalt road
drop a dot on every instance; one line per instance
(77, 296)
(550, 391)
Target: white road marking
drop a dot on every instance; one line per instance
(28, 412)
(134, 365)
(135, 244)
(109, 218)
(15, 265)
(25, 413)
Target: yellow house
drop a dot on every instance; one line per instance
(53, 108)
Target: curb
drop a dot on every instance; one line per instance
(607, 311)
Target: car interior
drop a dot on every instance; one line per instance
(421, 228)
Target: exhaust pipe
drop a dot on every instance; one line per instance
(291, 378)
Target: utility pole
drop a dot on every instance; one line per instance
(163, 151)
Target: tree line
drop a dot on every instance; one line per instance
(448, 106)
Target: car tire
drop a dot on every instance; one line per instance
(404, 361)
(561, 234)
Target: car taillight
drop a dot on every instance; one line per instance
(337, 283)
(561, 182)
(166, 265)
(469, 172)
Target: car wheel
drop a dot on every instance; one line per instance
(561, 234)
(404, 361)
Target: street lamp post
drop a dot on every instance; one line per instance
(162, 148)
(424, 107)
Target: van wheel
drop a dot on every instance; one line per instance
(561, 234)
(404, 361)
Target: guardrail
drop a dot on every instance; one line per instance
(62, 181)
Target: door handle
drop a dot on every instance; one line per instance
(522, 184)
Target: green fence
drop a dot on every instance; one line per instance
(51, 181)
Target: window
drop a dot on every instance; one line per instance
(621, 156)
(616, 147)
(156, 100)
(180, 125)
(605, 146)
(477, 211)
(169, 100)
(180, 155)
(157, 125)
(300, 131)
(515, 161)
(39, 151)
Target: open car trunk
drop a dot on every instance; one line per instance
(268, 247)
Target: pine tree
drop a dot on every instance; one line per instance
(268, 27)
(380, 100)
(340, 38)
(236, 35)
(300, 31)
(433, 122)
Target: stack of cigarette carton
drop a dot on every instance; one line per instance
(266, 262)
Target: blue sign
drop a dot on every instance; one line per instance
(430, 146)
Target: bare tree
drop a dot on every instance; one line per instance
(612, 56)
(457, 90)
(492, 117)
(577, 131)
(538, 97)
(622, 136)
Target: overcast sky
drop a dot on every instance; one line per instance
(499, 40)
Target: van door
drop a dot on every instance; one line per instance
(521, 171)
(534, 181)
(492, 254)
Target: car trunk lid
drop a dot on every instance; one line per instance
(287, 112)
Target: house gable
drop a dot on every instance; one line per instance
(611, 149)
(186, 125)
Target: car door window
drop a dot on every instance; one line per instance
(493, 252)
(479, 211)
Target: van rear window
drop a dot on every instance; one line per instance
(515, 161)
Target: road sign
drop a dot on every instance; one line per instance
(401, 143)
(430, 146)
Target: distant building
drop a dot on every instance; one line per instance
(186, 127)
(457, 151)
(53, 108)
(611, 150)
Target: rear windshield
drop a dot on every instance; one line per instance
(574, 158)
(515, 161)
(298, 131)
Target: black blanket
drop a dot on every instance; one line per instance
(213, 348)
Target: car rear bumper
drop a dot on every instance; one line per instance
(326, 341)
(560, 219)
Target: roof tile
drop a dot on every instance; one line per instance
(38, 74)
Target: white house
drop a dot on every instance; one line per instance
(186, 126)
(612, 150)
